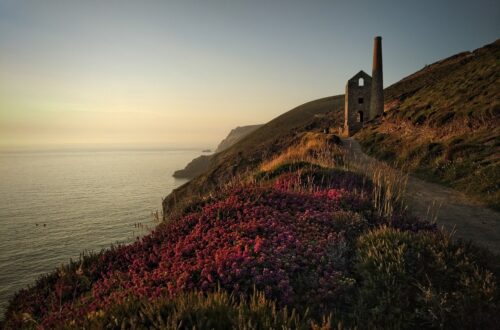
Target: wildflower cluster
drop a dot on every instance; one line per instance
(288, 244)
(308, 241)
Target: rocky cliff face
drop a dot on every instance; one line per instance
(194, 167)
(200, 164)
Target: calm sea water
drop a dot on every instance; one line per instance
(54, 205)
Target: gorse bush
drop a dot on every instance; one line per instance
(414, 280)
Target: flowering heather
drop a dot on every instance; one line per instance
(295, 239)
(289, 244)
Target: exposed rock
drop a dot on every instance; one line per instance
(194, 168)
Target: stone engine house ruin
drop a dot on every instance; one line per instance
(364, 95)
(357, 102)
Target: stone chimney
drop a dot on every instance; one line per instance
(377, 92)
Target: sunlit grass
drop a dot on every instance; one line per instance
(315, 148)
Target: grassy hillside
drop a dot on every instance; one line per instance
(235, 135)
(262, 144)
(443, 124)
(200, 164)
(299, 244)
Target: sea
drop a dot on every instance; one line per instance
(54, 205)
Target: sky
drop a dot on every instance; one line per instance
(184, 73)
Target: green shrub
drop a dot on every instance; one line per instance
(424, 279)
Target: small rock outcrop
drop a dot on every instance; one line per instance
(194, 168)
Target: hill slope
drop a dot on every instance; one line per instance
(200, 164)
(443, 124)
(249, 152)
(235, 135)
(324, 247)
(312, 240)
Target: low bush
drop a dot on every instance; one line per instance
(422, 280)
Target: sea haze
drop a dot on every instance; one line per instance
(56, 204)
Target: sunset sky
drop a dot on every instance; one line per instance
(183, 73)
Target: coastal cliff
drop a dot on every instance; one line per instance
(200, 164)
(236, 135)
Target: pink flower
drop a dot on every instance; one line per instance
(258, 244)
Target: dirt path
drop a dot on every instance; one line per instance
(452, 209)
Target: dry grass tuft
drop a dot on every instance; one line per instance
(389, 184)
(315, 148)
